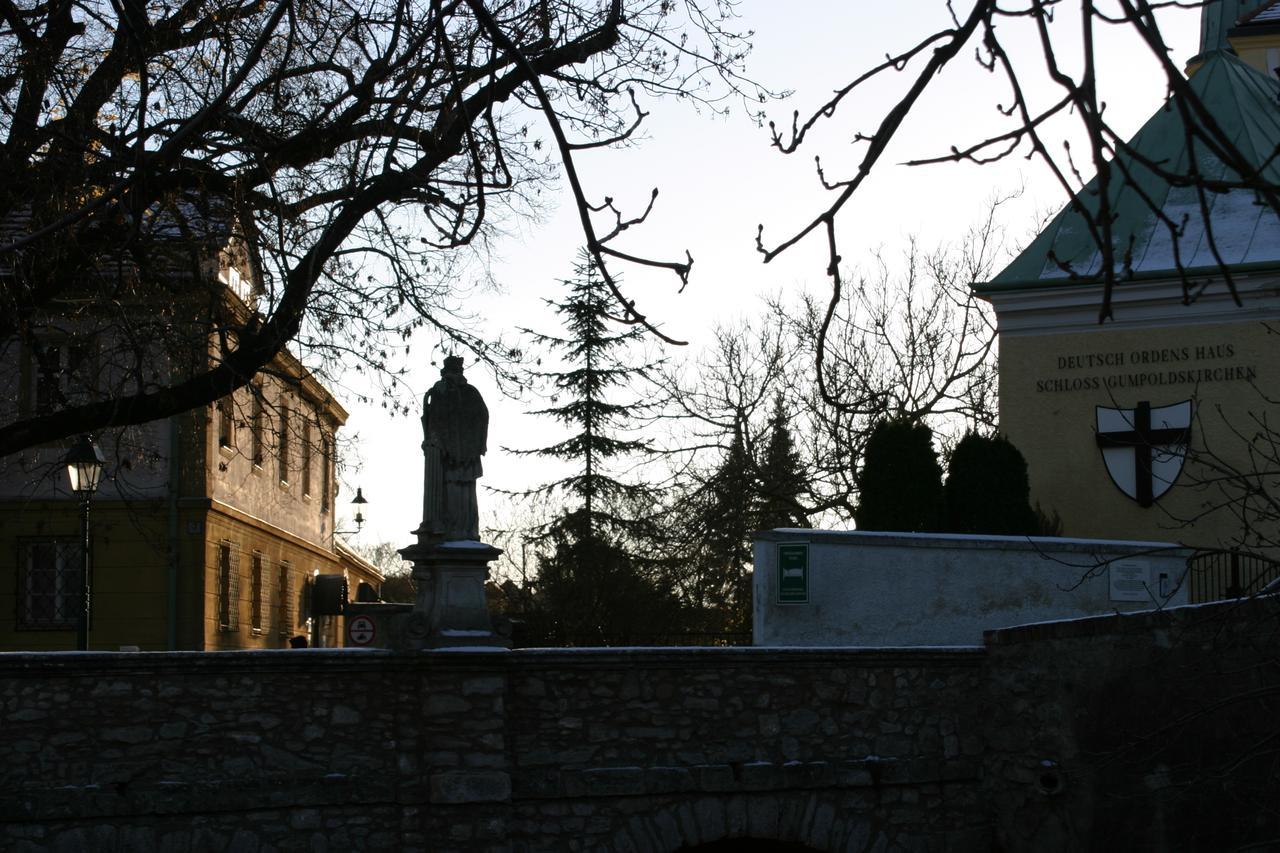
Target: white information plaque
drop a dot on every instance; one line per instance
(1131, 580)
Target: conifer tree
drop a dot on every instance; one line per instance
(715, 524)
(987, 490)
(782, 476)
(900, 486)
(596, 583)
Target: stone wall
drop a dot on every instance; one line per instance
(1152, 731)
(655, 750)
(472, 751)
(1147, 731)
(306, 750)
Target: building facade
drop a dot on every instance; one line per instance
(210, 527)
(1159, 421)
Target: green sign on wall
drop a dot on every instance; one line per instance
(793, 573)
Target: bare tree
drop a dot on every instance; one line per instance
(328, 163)
(910, 341)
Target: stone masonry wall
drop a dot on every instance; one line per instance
(306, 750)
(1140, 732)
(475, 751)
(1152, 731)
(837, 749)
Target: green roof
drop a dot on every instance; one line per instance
(1243, 102)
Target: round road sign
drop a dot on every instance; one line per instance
(361, 631)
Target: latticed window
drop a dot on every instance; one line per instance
(283, 616)
(305, 464)
(49, 584)
(282, 445)
(326, 464)
(256, 581)
(257, 418)
(228, 586)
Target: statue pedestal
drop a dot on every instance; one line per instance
(451, 609)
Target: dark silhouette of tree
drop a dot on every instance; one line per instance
(596, 580)
(987, 490)
(782, 477)
(710, 529)
(343, 158)
(900, 484)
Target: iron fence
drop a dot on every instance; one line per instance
(1216, 575)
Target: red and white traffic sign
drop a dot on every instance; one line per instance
(361, 631)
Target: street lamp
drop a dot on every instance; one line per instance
(359, 503)
(84, 468)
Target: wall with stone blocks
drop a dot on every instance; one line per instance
(1152, 731)
(643, 749)
(474, 751)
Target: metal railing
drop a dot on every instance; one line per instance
(1216, 575)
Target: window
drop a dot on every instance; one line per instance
(326, 462)
(258, 416)
(255, 580)
(226, 423)
(282, 611)
(228, 587)
(49, 584)
(282, 447)
(59, 374)
(306, 456)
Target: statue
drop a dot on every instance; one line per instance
(455, 427)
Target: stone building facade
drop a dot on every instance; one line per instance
(209, 526)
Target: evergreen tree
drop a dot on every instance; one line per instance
(596, 582)
(782, 476)
(987, 489)
(900, 486)
(715, 525)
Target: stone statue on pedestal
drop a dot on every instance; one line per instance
(450, 563)
(455, 427)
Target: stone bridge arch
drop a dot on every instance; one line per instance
(777, 822)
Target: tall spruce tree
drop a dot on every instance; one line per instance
(596, 581)
(715, 524)
(782, 476)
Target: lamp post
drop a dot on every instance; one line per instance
(359, 502)
(84, 469)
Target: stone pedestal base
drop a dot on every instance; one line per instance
(451, 609)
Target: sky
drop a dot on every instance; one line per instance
(718, 179)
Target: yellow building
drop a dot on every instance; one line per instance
(1161, 422)
(209, 528)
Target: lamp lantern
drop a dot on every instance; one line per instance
(84, 463)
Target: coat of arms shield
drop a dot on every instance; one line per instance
(1144, 447)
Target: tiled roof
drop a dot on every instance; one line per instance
(1243, 102)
